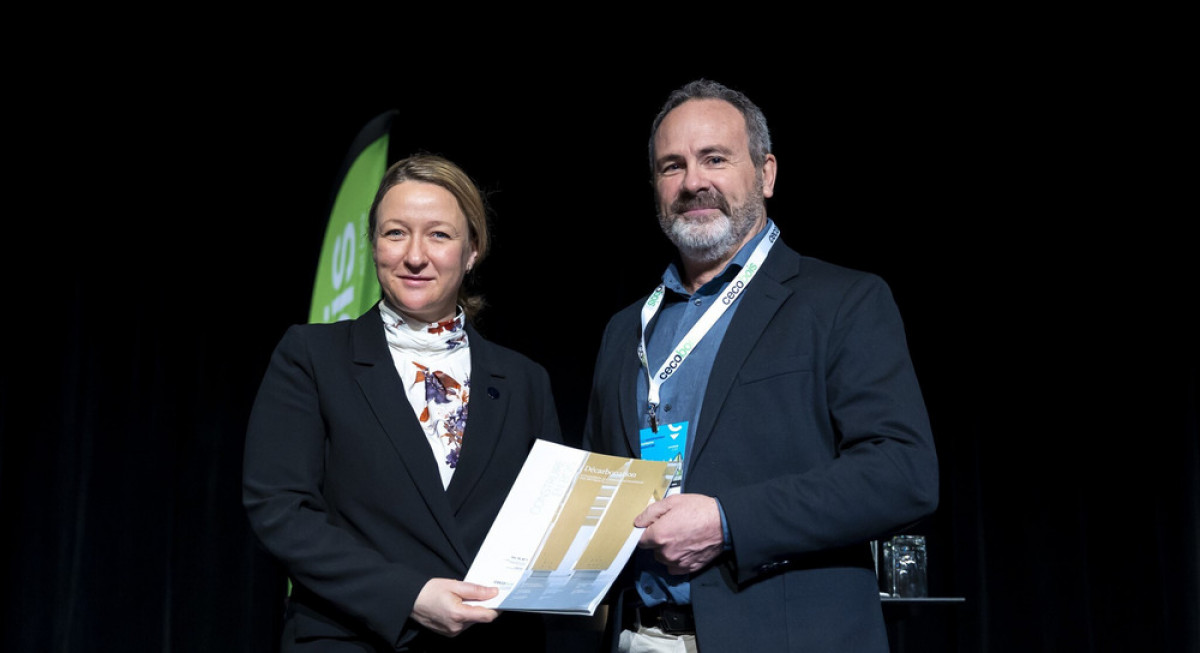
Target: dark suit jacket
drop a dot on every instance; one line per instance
(341, 486)
(814, 438)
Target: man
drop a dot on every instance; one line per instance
(785, 386)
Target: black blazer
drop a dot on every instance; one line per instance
(341, 486)
(814, 438)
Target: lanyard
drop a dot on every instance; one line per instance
(698, 331)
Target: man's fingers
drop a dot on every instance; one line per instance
(651, 514)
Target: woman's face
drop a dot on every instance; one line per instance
(422, 251)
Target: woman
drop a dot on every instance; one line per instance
(363, 473)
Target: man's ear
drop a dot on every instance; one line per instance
(769, 176)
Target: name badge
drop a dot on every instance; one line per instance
(668, 444)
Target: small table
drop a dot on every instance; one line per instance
(920, 624)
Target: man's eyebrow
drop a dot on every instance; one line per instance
(715, 149)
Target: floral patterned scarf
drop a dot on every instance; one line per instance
(434, 363)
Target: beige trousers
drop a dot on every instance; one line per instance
(653, 640)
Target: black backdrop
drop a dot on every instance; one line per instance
(172, 210)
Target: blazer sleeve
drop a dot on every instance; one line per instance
(282, 493)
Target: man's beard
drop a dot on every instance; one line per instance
(715, 238)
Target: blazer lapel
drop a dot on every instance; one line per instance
(486, 407)
(758, 305)
(384, 391)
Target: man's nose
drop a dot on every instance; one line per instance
(695, 179)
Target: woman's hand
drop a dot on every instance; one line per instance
(440, 606)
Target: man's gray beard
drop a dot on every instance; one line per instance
(714, 239)
(705, 242)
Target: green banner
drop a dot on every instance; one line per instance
(346, 285)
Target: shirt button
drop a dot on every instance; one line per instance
(698, 302)
(667, 408)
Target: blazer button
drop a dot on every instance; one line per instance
(493, 393)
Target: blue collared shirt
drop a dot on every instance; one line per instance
(681, 397)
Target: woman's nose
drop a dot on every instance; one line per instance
(414, 256)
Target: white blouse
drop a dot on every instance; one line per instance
(434, 363)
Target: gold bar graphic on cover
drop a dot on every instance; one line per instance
(636, 489)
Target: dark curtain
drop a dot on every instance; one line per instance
(121, 468)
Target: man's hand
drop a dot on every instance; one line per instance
(440, 606)
(684, 530)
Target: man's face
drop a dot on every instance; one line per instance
(710, 195)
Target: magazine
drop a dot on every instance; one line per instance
(566, 529)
